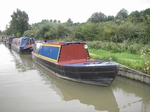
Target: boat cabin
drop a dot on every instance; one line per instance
(63, 52)
(23, 41)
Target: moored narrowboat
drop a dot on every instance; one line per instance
(4, 39)
(71, 60)
(23, 44)
(9, 40)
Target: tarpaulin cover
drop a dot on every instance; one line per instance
(23, 42)
(26, 41)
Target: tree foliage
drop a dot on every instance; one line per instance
(19, 23)
(51, 30)
(123, 27)
(97, 17)
(69, 21)
(134, 17)
(121, 16)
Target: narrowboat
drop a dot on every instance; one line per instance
(23, 44)
(9, 40)
(4, 39)
(71, 60)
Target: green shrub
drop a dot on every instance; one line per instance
(145, 56)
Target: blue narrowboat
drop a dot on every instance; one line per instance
(23, 44)
(71, 60)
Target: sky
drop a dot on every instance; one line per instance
(77, 10)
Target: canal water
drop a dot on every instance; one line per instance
(27, 87)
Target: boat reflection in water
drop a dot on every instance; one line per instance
(23, 61)
(101, 98)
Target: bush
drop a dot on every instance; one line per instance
(117, 47)
(145, 56)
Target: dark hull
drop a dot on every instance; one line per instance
(97, 75)
(22, 51)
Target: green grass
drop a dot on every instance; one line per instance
(131, 60)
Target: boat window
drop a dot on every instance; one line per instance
(37, 47)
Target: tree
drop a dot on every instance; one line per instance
(110, 18)
(43, 31)
(69, 22)
(59, 21)
(98, 17)
(62, 31)
(134, 17)
(19, 22)
(55, 21)
(87, 32)
(51, 20)
(121, 16)
(144, 15)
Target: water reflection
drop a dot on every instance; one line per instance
(23, 62)
(123, 95)
(131, 95)
(101, 98)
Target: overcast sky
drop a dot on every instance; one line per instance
(77, 10)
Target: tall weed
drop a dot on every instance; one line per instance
(116, 47)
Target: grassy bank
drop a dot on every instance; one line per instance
(129, 53)
(131, 60)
